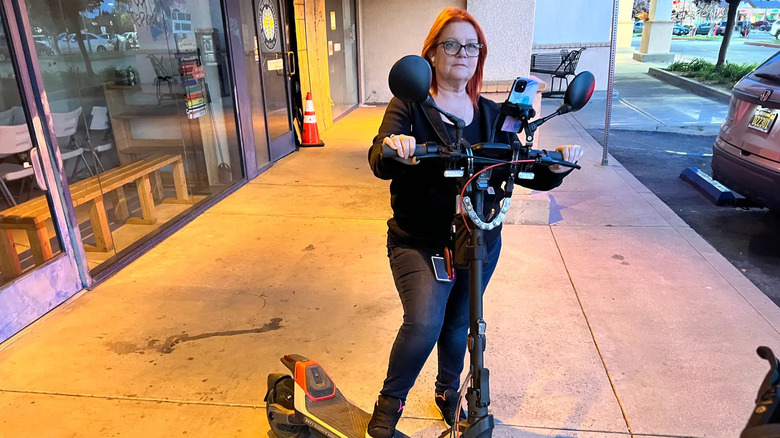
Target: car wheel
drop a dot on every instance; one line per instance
(101, 49)
(777, 35)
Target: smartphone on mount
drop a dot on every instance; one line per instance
(522, 94)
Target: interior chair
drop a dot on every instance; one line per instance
(162, 76)
(65, 126)
(99, 123)
(12, 116)
(16, 140)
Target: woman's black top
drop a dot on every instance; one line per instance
(422, 198)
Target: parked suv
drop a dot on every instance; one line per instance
(740, 28)
(746, 153)
(775, 29)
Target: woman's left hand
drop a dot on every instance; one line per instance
(571, 153)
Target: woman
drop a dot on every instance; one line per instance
(423, 203)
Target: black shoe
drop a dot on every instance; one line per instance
(448, 406)
(387, 412)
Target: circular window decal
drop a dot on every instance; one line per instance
(268, 19)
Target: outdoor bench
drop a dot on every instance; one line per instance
(560, 65)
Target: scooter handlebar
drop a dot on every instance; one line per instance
(420, 149)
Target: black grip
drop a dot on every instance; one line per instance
(420, 149)
(555, 155)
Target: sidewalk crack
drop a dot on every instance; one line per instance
(592, 335)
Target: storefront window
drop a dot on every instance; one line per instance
(142, 105)
(28, 237)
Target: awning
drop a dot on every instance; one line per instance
(763, 4)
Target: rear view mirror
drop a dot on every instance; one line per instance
(410, 79)
(579, 91)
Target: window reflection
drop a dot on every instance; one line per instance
(28, 237)
(142, 107)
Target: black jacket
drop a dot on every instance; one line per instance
(423, 200)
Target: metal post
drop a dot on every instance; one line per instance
(611, 81)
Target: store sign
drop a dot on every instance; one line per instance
(267, 17)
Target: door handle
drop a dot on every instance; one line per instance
(291, 62)
(36, 165)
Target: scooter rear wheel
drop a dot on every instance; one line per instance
(282, 394)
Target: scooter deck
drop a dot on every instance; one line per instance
(349, 420)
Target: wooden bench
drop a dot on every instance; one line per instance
(31, 216)
(559, 65)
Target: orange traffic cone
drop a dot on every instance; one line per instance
(310, 136)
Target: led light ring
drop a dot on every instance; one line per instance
(469, 208)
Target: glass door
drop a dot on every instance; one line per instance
(342, 55)
(38, 264)
(272, 36)
(143, 114)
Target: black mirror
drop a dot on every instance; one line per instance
(579, 91)
(410, 79)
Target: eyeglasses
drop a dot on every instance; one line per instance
(453, 48)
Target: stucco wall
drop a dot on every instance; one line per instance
(508, 26)
(573, 24)
(509, 30)
(392, 29)
(565, 21)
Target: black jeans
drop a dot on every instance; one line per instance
(433, 312)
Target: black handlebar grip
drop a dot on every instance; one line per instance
(555, 155)
(420, 149)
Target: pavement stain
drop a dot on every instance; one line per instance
(170, 343)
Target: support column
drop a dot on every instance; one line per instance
(625, 23)
(657, 34)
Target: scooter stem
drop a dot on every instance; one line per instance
(480, 421)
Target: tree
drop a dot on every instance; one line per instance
(730, 21)
(681, 12)
(713, 8)
(710, 11)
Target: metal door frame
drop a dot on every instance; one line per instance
(283, 141)
(66, 273)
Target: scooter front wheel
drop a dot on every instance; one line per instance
(282, 394)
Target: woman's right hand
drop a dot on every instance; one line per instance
(404, 145)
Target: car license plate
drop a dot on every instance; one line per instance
(763, 120)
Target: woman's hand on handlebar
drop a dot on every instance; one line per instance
(571, 153)
(404, 145)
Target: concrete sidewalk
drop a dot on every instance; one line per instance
(644, 103)
(614, 320)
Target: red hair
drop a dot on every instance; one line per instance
(449, 15)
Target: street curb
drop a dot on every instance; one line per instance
(773, 45)
(690, 85)
(669, 129)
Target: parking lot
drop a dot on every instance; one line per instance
(739, 52)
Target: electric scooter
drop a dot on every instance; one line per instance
(309, 401)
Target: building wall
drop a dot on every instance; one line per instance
(509, 30)
(573, 24)
(392, 29)
(508, 26)
(313, 58)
